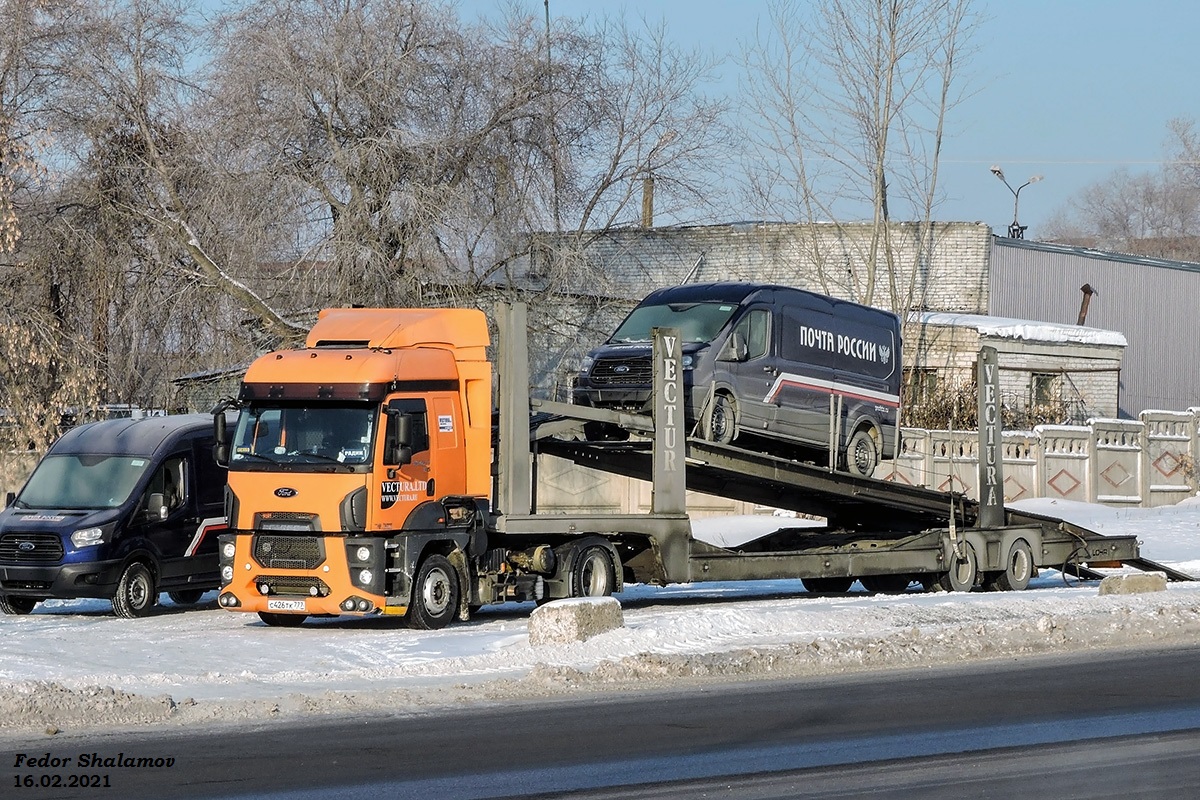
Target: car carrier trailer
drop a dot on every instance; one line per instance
(416, 517)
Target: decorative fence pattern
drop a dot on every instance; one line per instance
(1148, 462)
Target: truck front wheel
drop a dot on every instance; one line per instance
(592, 575)
(136, 593)
(10, 604)
(435, 594)
(282, 620)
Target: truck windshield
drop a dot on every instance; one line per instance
(304, 434)
(697, 322)
(82, 481)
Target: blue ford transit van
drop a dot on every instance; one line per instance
(121, 509)
(765, 361)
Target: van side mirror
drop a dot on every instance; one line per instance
(9, 499)
(735, 348)
(156, 506)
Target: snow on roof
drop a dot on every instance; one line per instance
(1030, 330)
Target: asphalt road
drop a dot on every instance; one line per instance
(1087, 725)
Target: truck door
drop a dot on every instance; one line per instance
(406, 477)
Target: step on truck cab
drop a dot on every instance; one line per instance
(782, 365)
(122, 510)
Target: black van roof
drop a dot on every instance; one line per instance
(737, 292)
(136, 437)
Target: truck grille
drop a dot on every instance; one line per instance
(622, 372)
(288, 552)
(31, 548)
(294, 585)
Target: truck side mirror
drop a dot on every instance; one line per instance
(398, 441)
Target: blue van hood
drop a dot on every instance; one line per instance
(49, 520)
(636, 349)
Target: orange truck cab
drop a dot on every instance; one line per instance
(359, 469)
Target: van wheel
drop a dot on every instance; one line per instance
(17, 605)
(862, 454)
(186, 597)
(136, 593)
(722, 420)
(435, 594)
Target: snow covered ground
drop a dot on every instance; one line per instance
(71, 665)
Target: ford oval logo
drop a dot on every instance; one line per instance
(621, 368)
(285, 491)
(26, 546)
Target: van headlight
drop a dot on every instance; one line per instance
(687, 362)
(585, 365)
(87, 537)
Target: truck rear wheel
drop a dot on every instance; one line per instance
(827, 585)
(136, 593)
(962, 574)
(10, 604)
(592, 575)
(282, 620)
(1017, 571)
(886, 584)
(435, 594)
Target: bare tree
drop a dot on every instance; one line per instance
(847, 102)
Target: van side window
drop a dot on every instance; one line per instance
(169, 481)
(754, 330)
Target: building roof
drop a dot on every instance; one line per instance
(1029, 330)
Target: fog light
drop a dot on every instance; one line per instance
(313, 591)
(364, 554)
(348, 605)
(364, 605)
(264, 588)
(364, 577)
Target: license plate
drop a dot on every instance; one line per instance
(286, 605)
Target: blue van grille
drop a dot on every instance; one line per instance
(30, 548)
(622, 372)
(288, 552)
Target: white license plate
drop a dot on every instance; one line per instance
(286, 605)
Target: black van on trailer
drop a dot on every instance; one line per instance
(121, 509)
(764, 360)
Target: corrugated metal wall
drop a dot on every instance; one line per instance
(1156, 304)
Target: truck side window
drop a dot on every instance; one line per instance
(418, 429)
(753, 330)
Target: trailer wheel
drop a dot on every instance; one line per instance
(592, 574)
(862, 454)
(282, 620)
(136, 593)
(827, 585)
(1017, 570)
(10, 604)
(721, 425)
(435, 594)
(962, 574)
(186, 597)
(886, 584)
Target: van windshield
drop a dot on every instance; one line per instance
(697, 322)
(83, 481)
(304, 434)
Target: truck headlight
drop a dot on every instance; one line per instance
(86, 537)
(228, 550)
(364, 577)
(363, 554)
(227, 573)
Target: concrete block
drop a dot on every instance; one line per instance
(574, 619)
(1137, 583)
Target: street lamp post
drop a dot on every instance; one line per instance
(1016, 230)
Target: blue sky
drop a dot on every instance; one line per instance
(1069, 89)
